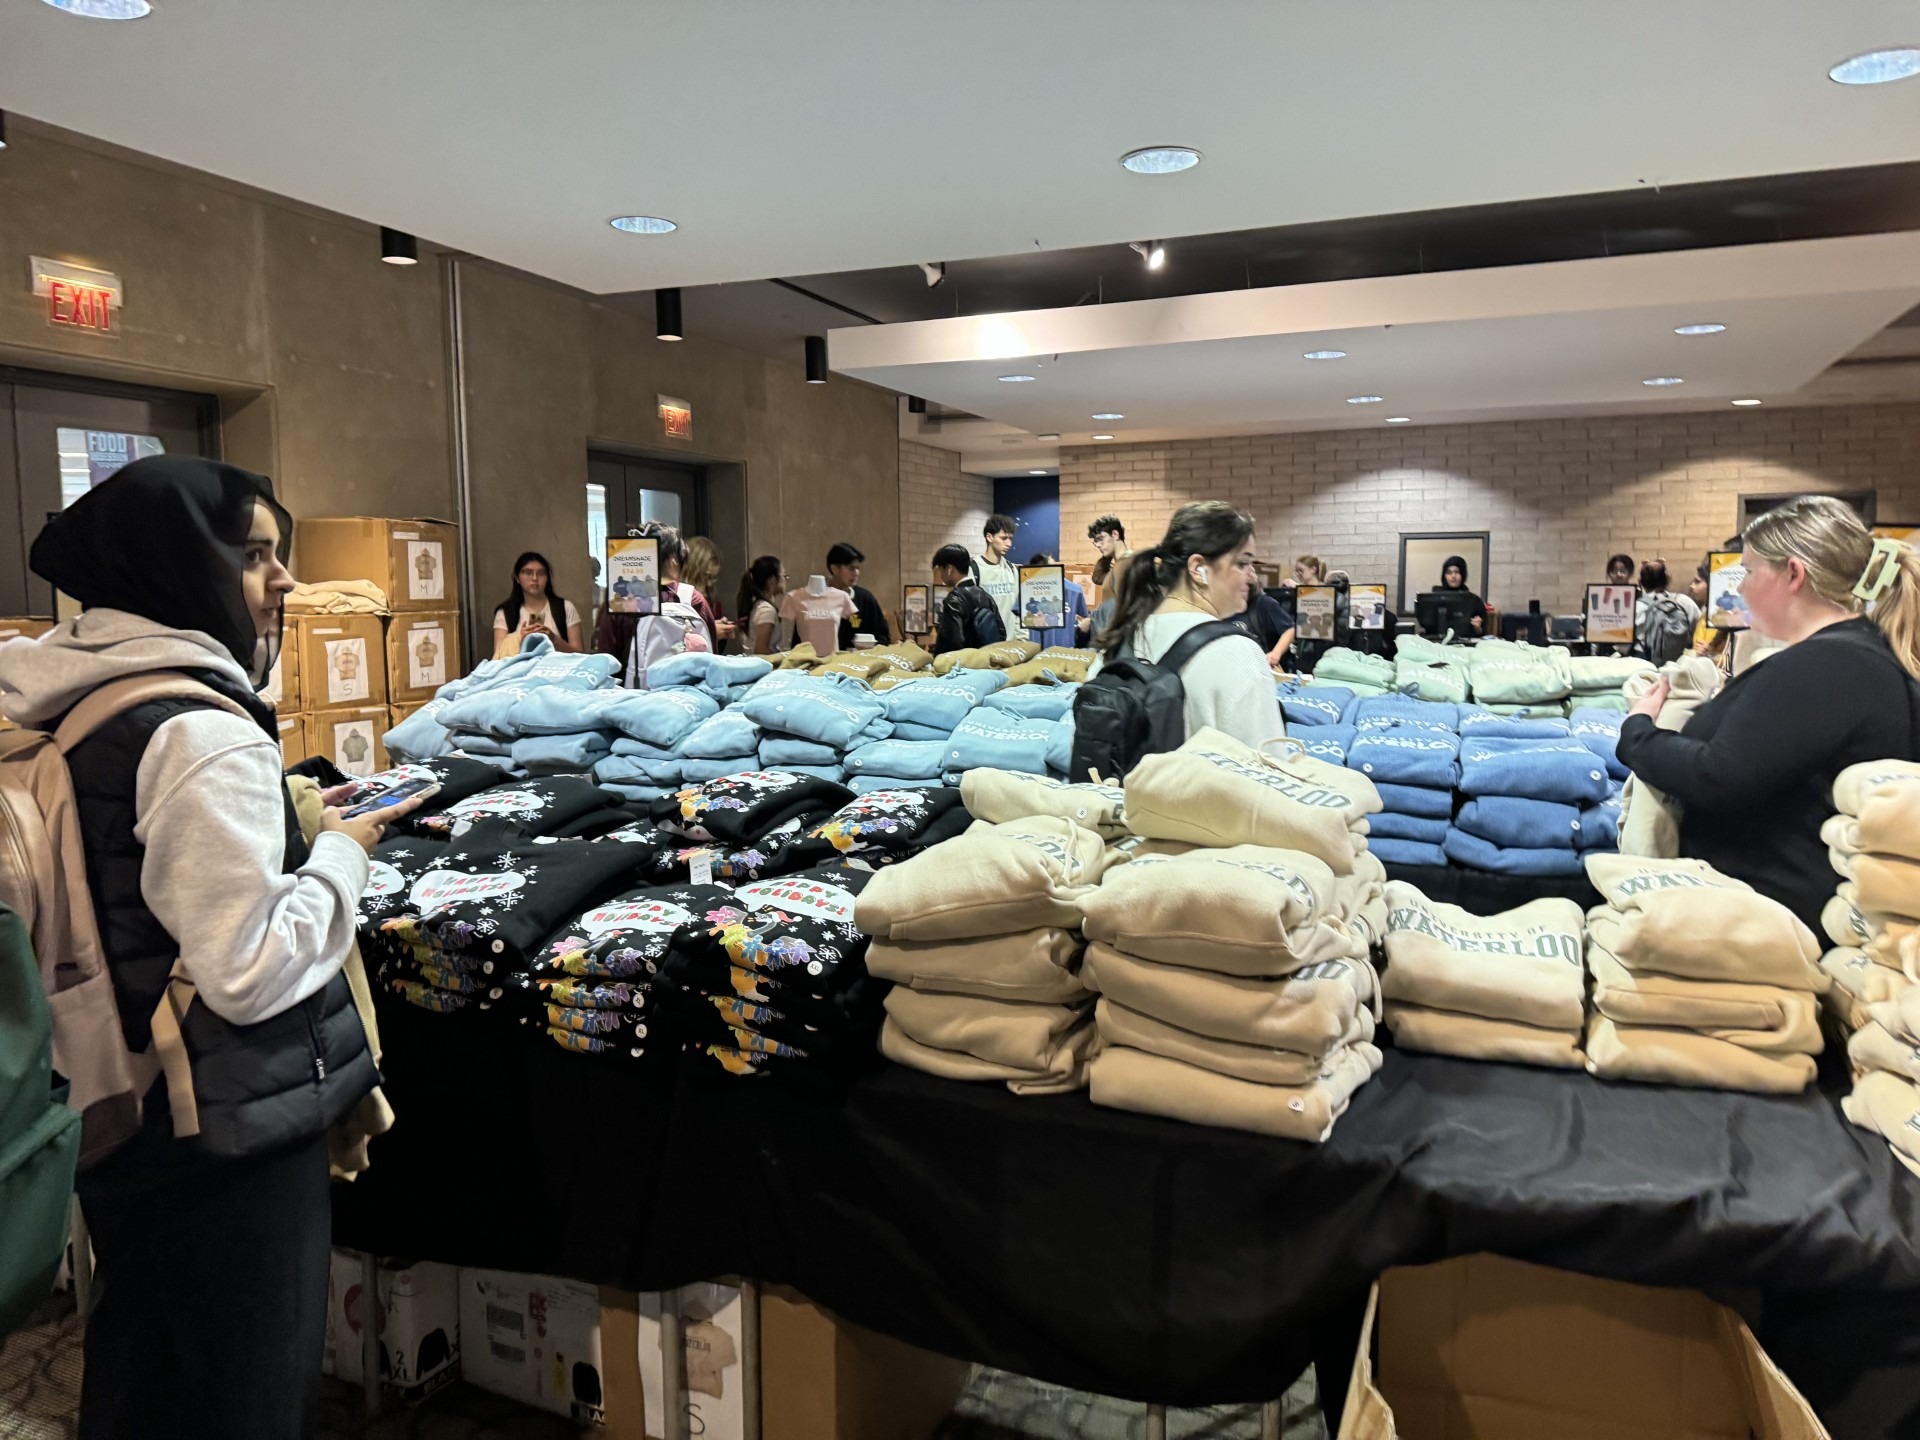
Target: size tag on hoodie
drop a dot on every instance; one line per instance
(700, 867)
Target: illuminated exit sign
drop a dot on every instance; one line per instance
(78, 298)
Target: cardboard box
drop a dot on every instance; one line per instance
(354, 739)
(412, 560)
(535, 1339)
(423, 653)
(824, 1378)
(283, 681)
(1485, 1348)
(714, 1349)
(293, 740)
(417, 1320)
(343, 660)
(23, 627)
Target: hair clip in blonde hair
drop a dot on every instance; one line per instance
(1882, 569)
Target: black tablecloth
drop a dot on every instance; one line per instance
(1137, 1257)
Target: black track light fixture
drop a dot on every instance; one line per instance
(1151, 251)
(666, 314)
(816, 359)
(916, 404)
(397, 247)
(3, 129)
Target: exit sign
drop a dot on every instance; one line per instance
(78, 298)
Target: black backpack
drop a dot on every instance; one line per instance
(1664, 633)
(1133, 709)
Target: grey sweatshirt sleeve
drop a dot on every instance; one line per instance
(209, 812)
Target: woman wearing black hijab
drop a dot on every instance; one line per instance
(211, 1233)
(1453, 577)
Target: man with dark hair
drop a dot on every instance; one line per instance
(968, 617)
(1109, 537)
(1068, 635)
(997, 575)
(843, 570)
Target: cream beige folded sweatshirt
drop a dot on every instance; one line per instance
(1014, 1033)
(1889, 1106)
(1523, 964)
(1125, 1079)
(991, 880)
(1872, 1047)
(1863, 981)
(1763, 1018)
(1662, 1056)
(1309, 1012)
(1000, 795)
(1362, 898)
(1471, 1037)
(1882, 884)
(1881, 936)
(1888, 825)
(1900, 1014)
(1683, 917)
(1245, 910)
(1067, 1070)
(1259, 1064)
(1036, 965)
(1214, 790)
(1855, 787)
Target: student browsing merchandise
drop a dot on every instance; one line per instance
(843, 570)
(533, 609)
(997, 575)
(1109, 537)
(968, 617)
(760, 591)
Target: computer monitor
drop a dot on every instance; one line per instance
(1439, 611)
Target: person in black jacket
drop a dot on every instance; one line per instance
(843, 568)
(968, 616)
(1753, 770)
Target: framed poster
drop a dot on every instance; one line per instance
(1313, 612)
(1367, 607)
(916, 610)
(1610, 613)
(1043, 597)
(633, 576)
(1726, 607)
(1423, 555)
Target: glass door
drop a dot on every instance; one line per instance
(59, 437)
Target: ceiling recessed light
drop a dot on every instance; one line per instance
(1399, 419)
(1015, 379)
(1878, 67)
(1109, 415)
(1705, 327)
(1049, 437)
(104, 9)
(1038, 472)
(1103, 437)
(643, 225)
(1325, 355)
(1161, 159)
(1748, 402)
(1663, 380)
(1151, 251)
(1365, 399)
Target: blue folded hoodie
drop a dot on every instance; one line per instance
(1421, 800)
(777, 752)
(1413, 756)
(1563, 770)
(1476, 854)
(1034, 702)
(1385, 825)
(1316, 704)
(1407, 707)
(1516, 824)
(1599, 731)
(815, 708)
(937, 704)
(1406, 852)
(661, 717)
(1600, 824)
(1060, 745)
(726, 736)
(902, 759)
(994, 740)
(1479, 723)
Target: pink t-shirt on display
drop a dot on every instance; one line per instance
(817, 617)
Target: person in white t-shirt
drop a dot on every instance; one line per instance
(999, 576)
(533, 609)
(1202, 570)
(760, 591)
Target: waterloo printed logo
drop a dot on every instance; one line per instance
(1296, 883)
(439, 890)
(1301, 792)
(807, 897)
(1649, 882)
(1533, 943)
(653, 917)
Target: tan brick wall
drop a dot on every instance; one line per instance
(939, 505)
(1557, 496)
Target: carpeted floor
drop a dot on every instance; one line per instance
(40, 1393)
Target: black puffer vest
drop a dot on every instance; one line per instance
(259, 1087)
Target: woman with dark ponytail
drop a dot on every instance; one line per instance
(760, 587)
(1202, 569)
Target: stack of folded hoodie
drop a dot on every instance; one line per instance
(1001, 655)
(1511, 677)
(1501, 987)
(474, 715)
(924, 713)
(1431, 670)
(644, 760)
(1885, 1054)
(1356, 671)
(1215, 790)
(1234, 990)
(773, 981)
(1698, 980)
(1311, 706)
(835, 713)
(1056, 665)
(1874, 841)
(881, 827)
(1597, 681)
(563, 805)
(590, 988)
(1527, 801)
(980, 936)
(1410, 750)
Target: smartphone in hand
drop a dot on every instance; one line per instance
(404, 791)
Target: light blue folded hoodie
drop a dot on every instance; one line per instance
(1516, 824)
(994, 740)
(1413, 756)
(1563, 770)
(1310, 705)
(1476, 854)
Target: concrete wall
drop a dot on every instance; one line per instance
(1557, 495)
(939, 505)
(333, 371)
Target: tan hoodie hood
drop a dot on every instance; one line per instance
(40, 680)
